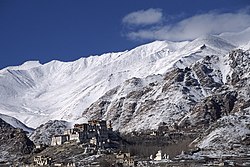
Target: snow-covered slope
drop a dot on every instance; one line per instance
(36, 93)
(233, 129)
(223, 114)
(15, 123)
(237, 38)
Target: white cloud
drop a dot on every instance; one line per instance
(144, 17)
(195, 26)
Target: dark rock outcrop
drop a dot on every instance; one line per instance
(14, 142)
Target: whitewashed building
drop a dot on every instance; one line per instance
(124, 159)
(59, 139)
(42, 161)
(158, 156)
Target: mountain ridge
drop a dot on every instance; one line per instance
(62, 90)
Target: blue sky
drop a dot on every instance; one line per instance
(66, 30)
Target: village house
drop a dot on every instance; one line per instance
(124, 159)
(42, 161)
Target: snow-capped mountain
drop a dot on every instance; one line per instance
(165, 99)
(36, 93)
(152, 75)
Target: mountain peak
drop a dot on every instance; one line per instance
(213, 42)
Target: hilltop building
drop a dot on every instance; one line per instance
(96, 133)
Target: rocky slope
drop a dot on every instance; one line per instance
(14, 142)
(213, 93)
(44, 133)
(227, 111)
(165, 99)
